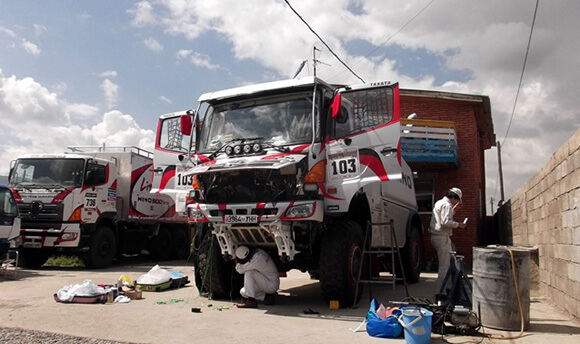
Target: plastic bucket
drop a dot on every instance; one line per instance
(417, 325)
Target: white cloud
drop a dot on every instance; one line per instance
(110, 92)
(108, 74)
(143, 14)
(36, 120)
(7, 32)
(165, 100)
(152, 44)
(197, 59)
(39, 29)
(30, 47)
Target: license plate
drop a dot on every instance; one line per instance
(32, 244)
(241, 218)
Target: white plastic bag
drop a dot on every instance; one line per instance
(155, 276)
(88, 288)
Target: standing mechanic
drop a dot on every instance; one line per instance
(261, 278)
(441, 229)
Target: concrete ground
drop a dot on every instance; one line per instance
(166, 317)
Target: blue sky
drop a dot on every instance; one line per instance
(88, 72)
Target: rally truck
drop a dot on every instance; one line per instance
(9, 220)
(302, 169)
(94, 202)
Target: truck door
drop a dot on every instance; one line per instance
(9, 219)
(171, 156)
(365, 126)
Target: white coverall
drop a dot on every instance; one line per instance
(441, 229)
(260, 276)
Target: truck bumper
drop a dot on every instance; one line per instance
(67, 235)
(259, 225)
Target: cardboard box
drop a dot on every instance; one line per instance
(134, 294)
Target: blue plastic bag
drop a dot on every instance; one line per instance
(383, 328)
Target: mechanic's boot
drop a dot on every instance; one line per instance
(248, 303)
(270, 299)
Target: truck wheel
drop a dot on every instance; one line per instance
(32, 258)
(340, 258)
(412, 256)
(218, 276)
(160, 247)
(102, 249)
(180, 241)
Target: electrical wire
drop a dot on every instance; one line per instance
(522, 74)
(388, 38)
(323, 42)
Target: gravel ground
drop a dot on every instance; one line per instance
(13, 335)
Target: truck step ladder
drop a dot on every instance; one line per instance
(369, 251)
(10, 264)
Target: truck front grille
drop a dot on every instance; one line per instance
(252, 235)
(36, 212)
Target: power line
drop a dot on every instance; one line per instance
(323, 42)
(522, 74)
(389, 37)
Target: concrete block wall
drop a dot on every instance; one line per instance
(546, 215)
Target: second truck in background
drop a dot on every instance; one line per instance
(94, 202)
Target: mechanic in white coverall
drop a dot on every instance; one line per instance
(441, 229)
(261, 278)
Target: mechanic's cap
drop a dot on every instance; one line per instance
(457, 191)
(242, 252)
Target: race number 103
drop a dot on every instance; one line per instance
(343, 165)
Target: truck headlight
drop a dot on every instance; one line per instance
(302, 210)
(194, 213)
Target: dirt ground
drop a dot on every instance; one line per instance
(166, 317)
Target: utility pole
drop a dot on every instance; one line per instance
(500, 172)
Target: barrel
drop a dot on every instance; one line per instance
(494, 293)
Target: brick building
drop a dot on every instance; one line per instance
(444, 144)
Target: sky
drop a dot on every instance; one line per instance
(79, 72)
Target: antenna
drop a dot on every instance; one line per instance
(315, 61)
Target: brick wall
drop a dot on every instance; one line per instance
(546, 215)
(469, 177)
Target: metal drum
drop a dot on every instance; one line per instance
(494, 292)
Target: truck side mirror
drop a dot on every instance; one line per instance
(185, 124)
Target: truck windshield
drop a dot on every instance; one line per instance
(276, 120)
(48, 172)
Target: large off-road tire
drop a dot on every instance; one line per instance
(102, 249)
(218, 276)
(181, 243)
(32, 258)
(412, 256)
(341, 253)
(160, 246)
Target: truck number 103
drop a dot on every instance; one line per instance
(184, 180)
(344, 166)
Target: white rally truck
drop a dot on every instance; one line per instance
(9, 220)
(95, 202)
(298, 168)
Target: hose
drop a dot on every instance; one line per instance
(515, 276)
